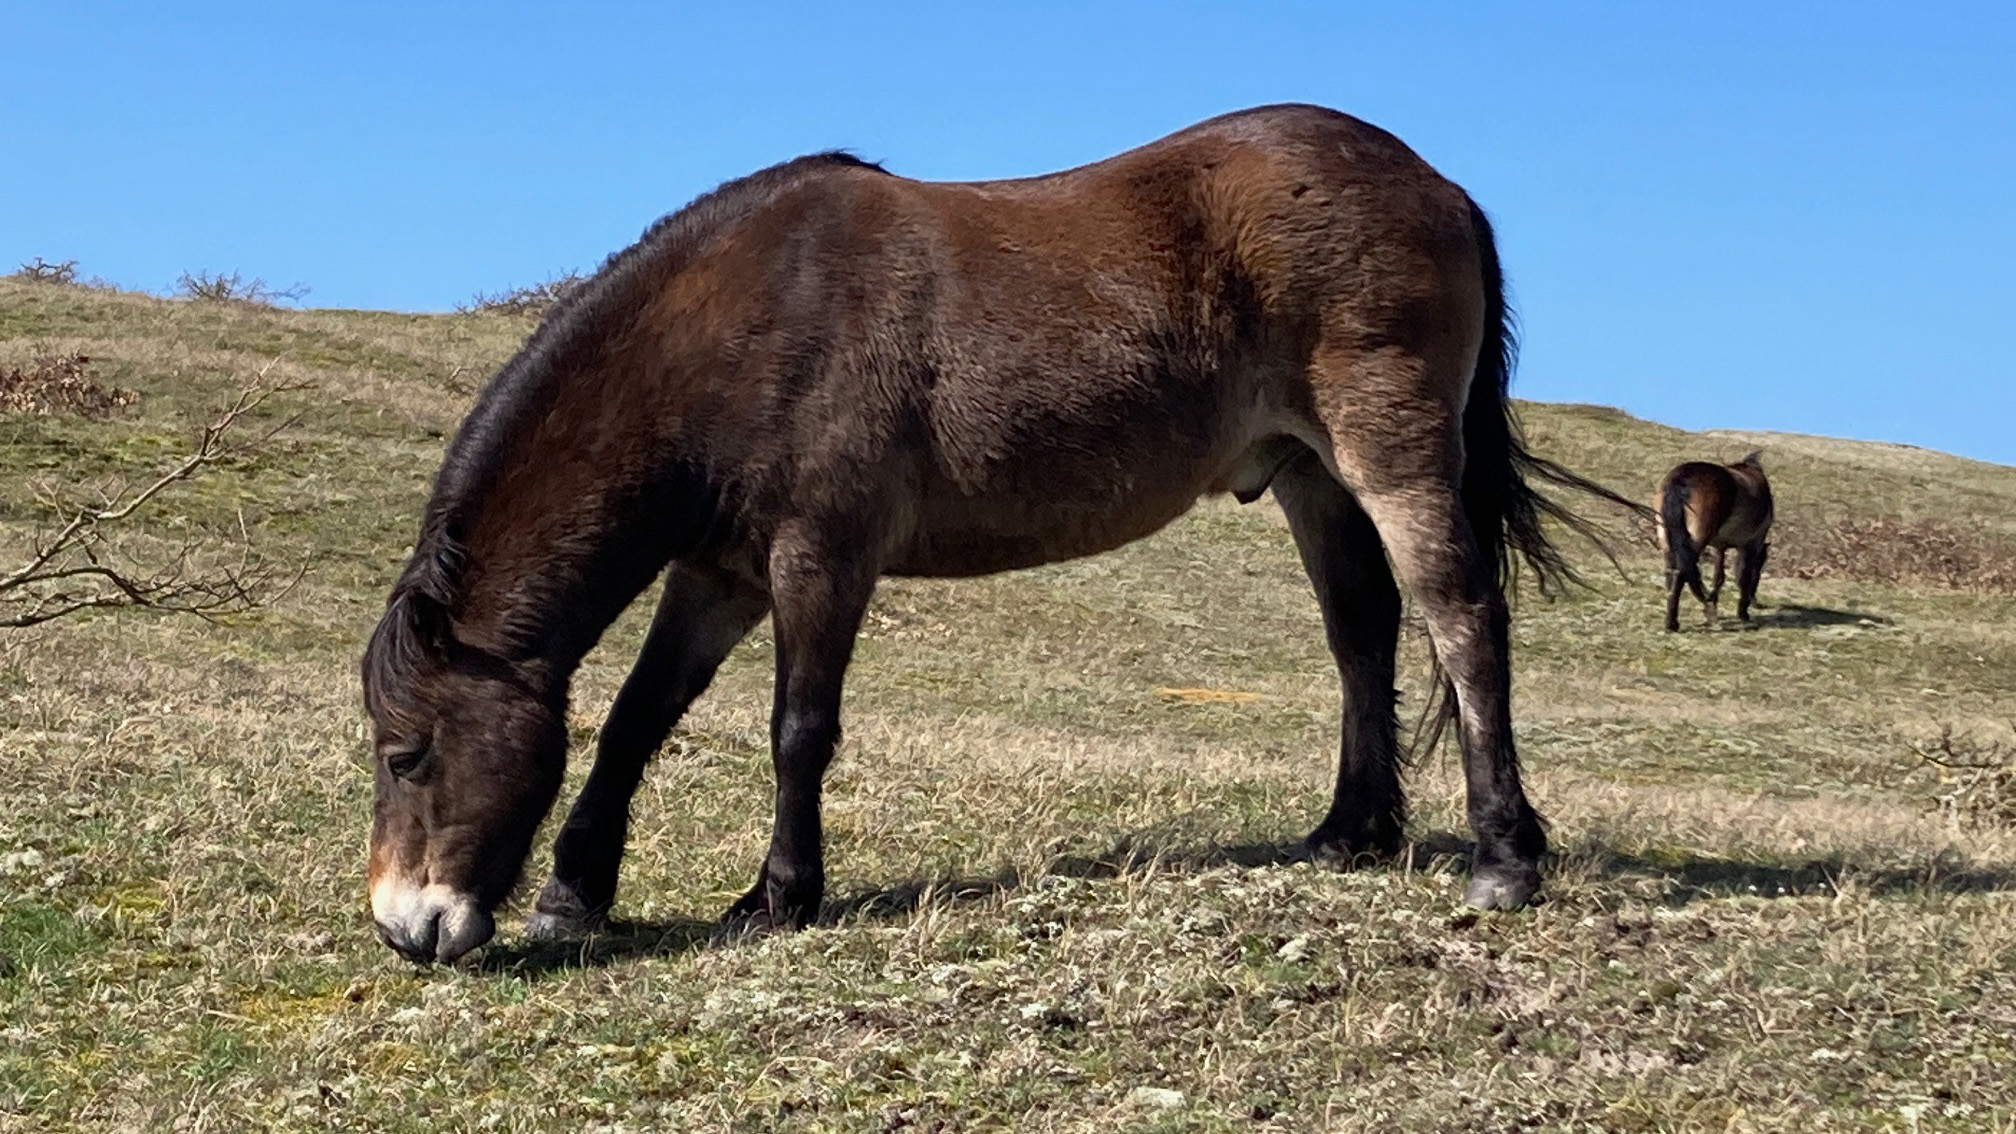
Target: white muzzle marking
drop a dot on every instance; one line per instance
(428, 923)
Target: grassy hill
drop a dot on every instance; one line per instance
(1062, 899)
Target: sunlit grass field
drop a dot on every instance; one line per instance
(1061, 897)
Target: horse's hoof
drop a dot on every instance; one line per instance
(543, 926)
(749, 923)
(1502, 889)
(768, 908)
(1370, 848)
(762, 921)
(560, 912)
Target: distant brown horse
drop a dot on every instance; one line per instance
(1711, 508)
(824, 373)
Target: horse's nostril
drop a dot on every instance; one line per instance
(417, 948)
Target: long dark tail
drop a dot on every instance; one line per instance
(1499, 472)
(1683, 559)
(1504, 508)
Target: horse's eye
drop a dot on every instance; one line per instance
(405, 762)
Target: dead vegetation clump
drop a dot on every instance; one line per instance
(534, 300)
(1974, 780)
(218, 287)
(60, 384)
(63, 273)
(58, 273)
(1885, 549)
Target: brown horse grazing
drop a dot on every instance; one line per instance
(1706, 507)
(824, 373)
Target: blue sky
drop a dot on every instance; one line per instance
(1791, 216)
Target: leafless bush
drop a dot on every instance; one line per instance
(1890, 550)
(38, 270)
(81, 562)
(59, 383)
(1974, 779)
(534, 300)
(216, 287)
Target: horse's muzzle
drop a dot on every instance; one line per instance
(429, 923)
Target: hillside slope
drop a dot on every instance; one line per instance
(1062, 897)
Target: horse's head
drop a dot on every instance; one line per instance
(469, 748)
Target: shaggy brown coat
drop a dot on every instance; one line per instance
(824, 373)
(1707, 508)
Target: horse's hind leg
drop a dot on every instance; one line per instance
(702, 614)
(1749, 569)
(1361, 617)
(1436, 554)
(1399, 454)
(1714, 596)
(1688, 578)
(820, 583)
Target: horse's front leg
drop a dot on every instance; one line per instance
(820, 583)
(702, 614)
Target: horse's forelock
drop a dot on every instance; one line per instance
(415, 626)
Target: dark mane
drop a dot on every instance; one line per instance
(421, 602)
(589, 316)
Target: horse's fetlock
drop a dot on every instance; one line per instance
(1347, 839)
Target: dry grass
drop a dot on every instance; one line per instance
(1065, 895)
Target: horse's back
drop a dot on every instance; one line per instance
(1024, 370)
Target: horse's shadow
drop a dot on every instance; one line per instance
(1691, 877)
(1684, 878)
(622, 939)
(1792, 616)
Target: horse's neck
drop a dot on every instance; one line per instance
(553, 598)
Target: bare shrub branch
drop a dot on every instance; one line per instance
(1976, 779)
(62, 273)
(216, 287)
(77, 564)
(534, 300)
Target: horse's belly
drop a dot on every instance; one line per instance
(1027, 466)
(979, 536)
(1740, 529)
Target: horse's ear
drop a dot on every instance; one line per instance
(430, 588)
(1754, 458)
(410, 640)
(427, 621)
